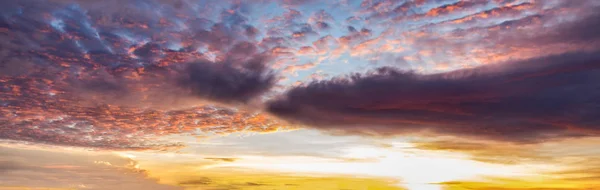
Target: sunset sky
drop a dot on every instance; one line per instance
(300, 94)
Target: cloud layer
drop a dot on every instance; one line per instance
(518, 101)
(98, 74)
(91, 74)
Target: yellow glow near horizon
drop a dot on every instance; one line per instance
(418, 169)
(398, 166)
(411, 186)
(395, 162)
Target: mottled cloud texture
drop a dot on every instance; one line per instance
(125, 74)
(119, 74)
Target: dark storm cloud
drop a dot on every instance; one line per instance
(536, 95)
(225, 83)
(523, 101)
(586, 29)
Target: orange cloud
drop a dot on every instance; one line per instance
(295, 68)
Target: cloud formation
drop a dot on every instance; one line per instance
(97, 75)
(539, 87)
(524, 101)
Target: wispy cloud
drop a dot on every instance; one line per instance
(67, 169)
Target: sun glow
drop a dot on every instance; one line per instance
(417, 169)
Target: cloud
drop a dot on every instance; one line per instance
(322, 25)
(196, 182)
(306, 50)
(122, 74)
(490, 152)
(508, 32)
(71, 169)
(451, 8)
(321, 15)
(118, 128)
(222, 159)
(244, 179)
(68, 36)
(511, 10)
(520, 101)
(119, 75)
(294, 68)
(228, 82)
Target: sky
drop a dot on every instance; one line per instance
(300, 94)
